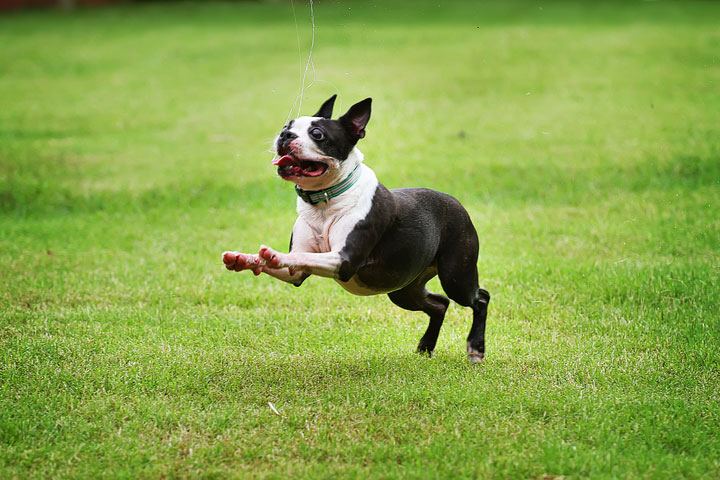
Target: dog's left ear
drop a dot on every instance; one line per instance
(327, 108)
(357, 118)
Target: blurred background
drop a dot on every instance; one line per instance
(65, 4)
(135, 147)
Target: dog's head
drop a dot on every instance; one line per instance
(318, 152)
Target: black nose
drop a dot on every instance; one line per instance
(283, 142)
(286, 136)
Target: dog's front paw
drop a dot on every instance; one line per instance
(237, 262)
(272, 258)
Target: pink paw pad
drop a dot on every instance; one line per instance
(239, 261)
(270, 256)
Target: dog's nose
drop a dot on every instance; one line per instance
(283, 143)
(286, 136)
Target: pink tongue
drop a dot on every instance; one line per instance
(313, 173)
(284, 160)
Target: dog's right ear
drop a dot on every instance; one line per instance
(327, 108)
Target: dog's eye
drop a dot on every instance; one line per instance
(317, 134)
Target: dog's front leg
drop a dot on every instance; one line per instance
(328, 264)
(237, 262)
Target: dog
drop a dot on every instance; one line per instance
(367, 238)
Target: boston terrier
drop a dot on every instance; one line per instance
(367, 238)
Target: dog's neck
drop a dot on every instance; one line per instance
(359, 193)
(327, 194)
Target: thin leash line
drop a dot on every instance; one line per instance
(310, 57)
(300, 62)
(310, 62)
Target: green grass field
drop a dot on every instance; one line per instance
(583, 138)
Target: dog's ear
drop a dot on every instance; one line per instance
(357, 118)
(327, 108)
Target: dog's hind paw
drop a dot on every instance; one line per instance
(475, 358)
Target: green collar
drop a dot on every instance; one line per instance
(313, 197)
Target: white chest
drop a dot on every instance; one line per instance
(329, 224)
(322, 231)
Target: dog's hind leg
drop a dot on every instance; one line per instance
(457, 269)
(416, 297)
(476, 337)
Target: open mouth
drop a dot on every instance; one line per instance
(289, 166)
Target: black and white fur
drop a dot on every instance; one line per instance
(370, 239)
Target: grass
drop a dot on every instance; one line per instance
(583, 139)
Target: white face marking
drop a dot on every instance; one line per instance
(304, 148)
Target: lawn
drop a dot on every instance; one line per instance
(583, 138)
